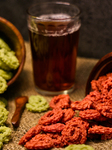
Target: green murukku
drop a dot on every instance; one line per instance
(37, 103)
(3, 115)
(79, 147)
(4, 66)
(6, 74)
(3, 85)
(3, 102)
(1, 143)
(3, 44)
(9, 58)
(5, 133)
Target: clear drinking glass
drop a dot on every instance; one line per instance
(54, 35)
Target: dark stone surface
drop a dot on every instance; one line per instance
(96, 29)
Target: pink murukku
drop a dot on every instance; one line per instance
(70, 134)
(51, 117)
(60, 101)
(57, 140)
(31, 133)
(81, 105)
(89, 114)
(74, 134)
(53, 128)
(99, 130)
(97, 84)
(77, 121)
(105, 109)
(106, 136)
(40, 141)
(68, 114)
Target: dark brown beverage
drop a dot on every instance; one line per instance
(54, 51)
(54, 60)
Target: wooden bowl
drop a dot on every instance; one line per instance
(15, 40)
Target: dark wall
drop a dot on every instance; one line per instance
(96, 30)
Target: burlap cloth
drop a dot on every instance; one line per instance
(24, 86)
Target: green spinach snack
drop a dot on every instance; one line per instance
(8, 63)
(79, 147)
(3, 85)
(3, 44)
(3, 102)
(3, 115)
(37, 103)
(7, 75)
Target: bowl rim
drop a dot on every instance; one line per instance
(21, 40)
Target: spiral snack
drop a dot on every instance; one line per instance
(67, 115)
(3, 44)
(53, 116)
(3, 102)
(6, 74)
(9, 58)
(5, 133)
(106, 136)
(3, 85)
(60, 101)
(71, 135)
(79, 147)
(31, 133)
(105, 109)
(78, 121)
(89, 114)
(3, 115)
(57, 139)
(1, 143)
(74, 134)
(37, 104)
(53, 128)
(100, 130)
(4, 66)
(40, 141)
(81, 105)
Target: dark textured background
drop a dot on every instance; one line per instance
(96, 30)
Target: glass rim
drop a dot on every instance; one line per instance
(56, 2)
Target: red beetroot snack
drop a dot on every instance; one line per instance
(59, 127)
(105, 109)
(54, 128)
(60, 101)
(81, 105)
(51, 117)
(31, 133)
(67, 115)
(106, 136)
(89, 114)
(77, 120)
(57, 139)
(99, 130)
(40, 141)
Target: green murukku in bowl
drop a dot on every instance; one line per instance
(12, 54)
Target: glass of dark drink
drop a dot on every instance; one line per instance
(54, 34)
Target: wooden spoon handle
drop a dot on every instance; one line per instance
(20, 104)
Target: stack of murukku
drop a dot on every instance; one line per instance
(5, 132)
(8, 62)
(96, 108)
(60, 127)
(57, 128)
